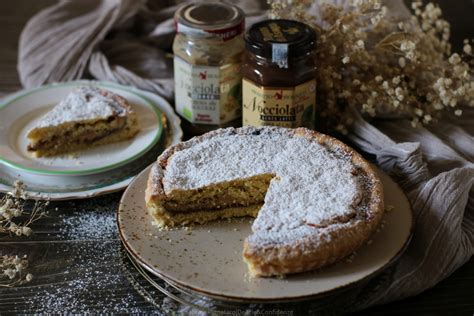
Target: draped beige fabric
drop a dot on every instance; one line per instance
(124, 41)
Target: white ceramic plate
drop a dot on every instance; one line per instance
(60, 187)
(21, 111)
(208, 258)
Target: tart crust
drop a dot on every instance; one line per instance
(330, 242)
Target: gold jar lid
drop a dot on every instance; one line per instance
(210, 19)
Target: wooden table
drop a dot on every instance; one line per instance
(453, 296)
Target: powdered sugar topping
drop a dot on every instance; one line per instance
(313, 185)
(84, 103)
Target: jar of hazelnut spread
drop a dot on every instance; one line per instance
(208, 52)
(279, 86)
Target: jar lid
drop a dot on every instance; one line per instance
(210, 19)
(280, 40)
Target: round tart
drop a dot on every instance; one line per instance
(315, 199)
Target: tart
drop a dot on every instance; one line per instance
(87, 117)
(315, 200)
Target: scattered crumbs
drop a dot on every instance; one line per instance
(369, 241)
(351, 257)
(389, 208)
(236, 229)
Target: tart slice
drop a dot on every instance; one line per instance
(87, 117)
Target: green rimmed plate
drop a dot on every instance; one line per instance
(21, 111)
(60, 187)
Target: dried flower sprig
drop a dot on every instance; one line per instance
(12, 271)
(12, 209)
(12, 214)
(382, 65)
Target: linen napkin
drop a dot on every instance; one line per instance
(128, 42)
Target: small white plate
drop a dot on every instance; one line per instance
(207, 259)
(61, 187)
(21, 111)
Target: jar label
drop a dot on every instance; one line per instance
(207, 95)
(286, 107)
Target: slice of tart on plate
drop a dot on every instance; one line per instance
(87, 117)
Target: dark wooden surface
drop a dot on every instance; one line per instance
(453, 296)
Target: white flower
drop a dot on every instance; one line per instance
(454, 59)
(16, 212)
(346, 60)
(6, 207)
(16, 260)
(29, 277)
(427, 118)
(10, 273)
(467, 49)
(401, 62)
(458, 112)
(26, 230)
(407, 45)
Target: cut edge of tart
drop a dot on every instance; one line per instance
(86, 118)
(271, 250)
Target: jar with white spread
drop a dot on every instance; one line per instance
(207, 50)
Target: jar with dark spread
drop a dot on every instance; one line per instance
(208, 50)
(279, 85)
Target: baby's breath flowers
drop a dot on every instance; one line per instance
(382, 65)
(15, 220)
(12, 271)
(12, 212)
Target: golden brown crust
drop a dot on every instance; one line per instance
(328, 244)
(51, 136)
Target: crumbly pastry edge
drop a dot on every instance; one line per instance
(328, 245)
(130, 130)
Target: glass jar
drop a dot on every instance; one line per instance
(208, 52)
(279, 75)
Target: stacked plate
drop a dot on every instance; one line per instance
(101, 170)
(202, 266)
